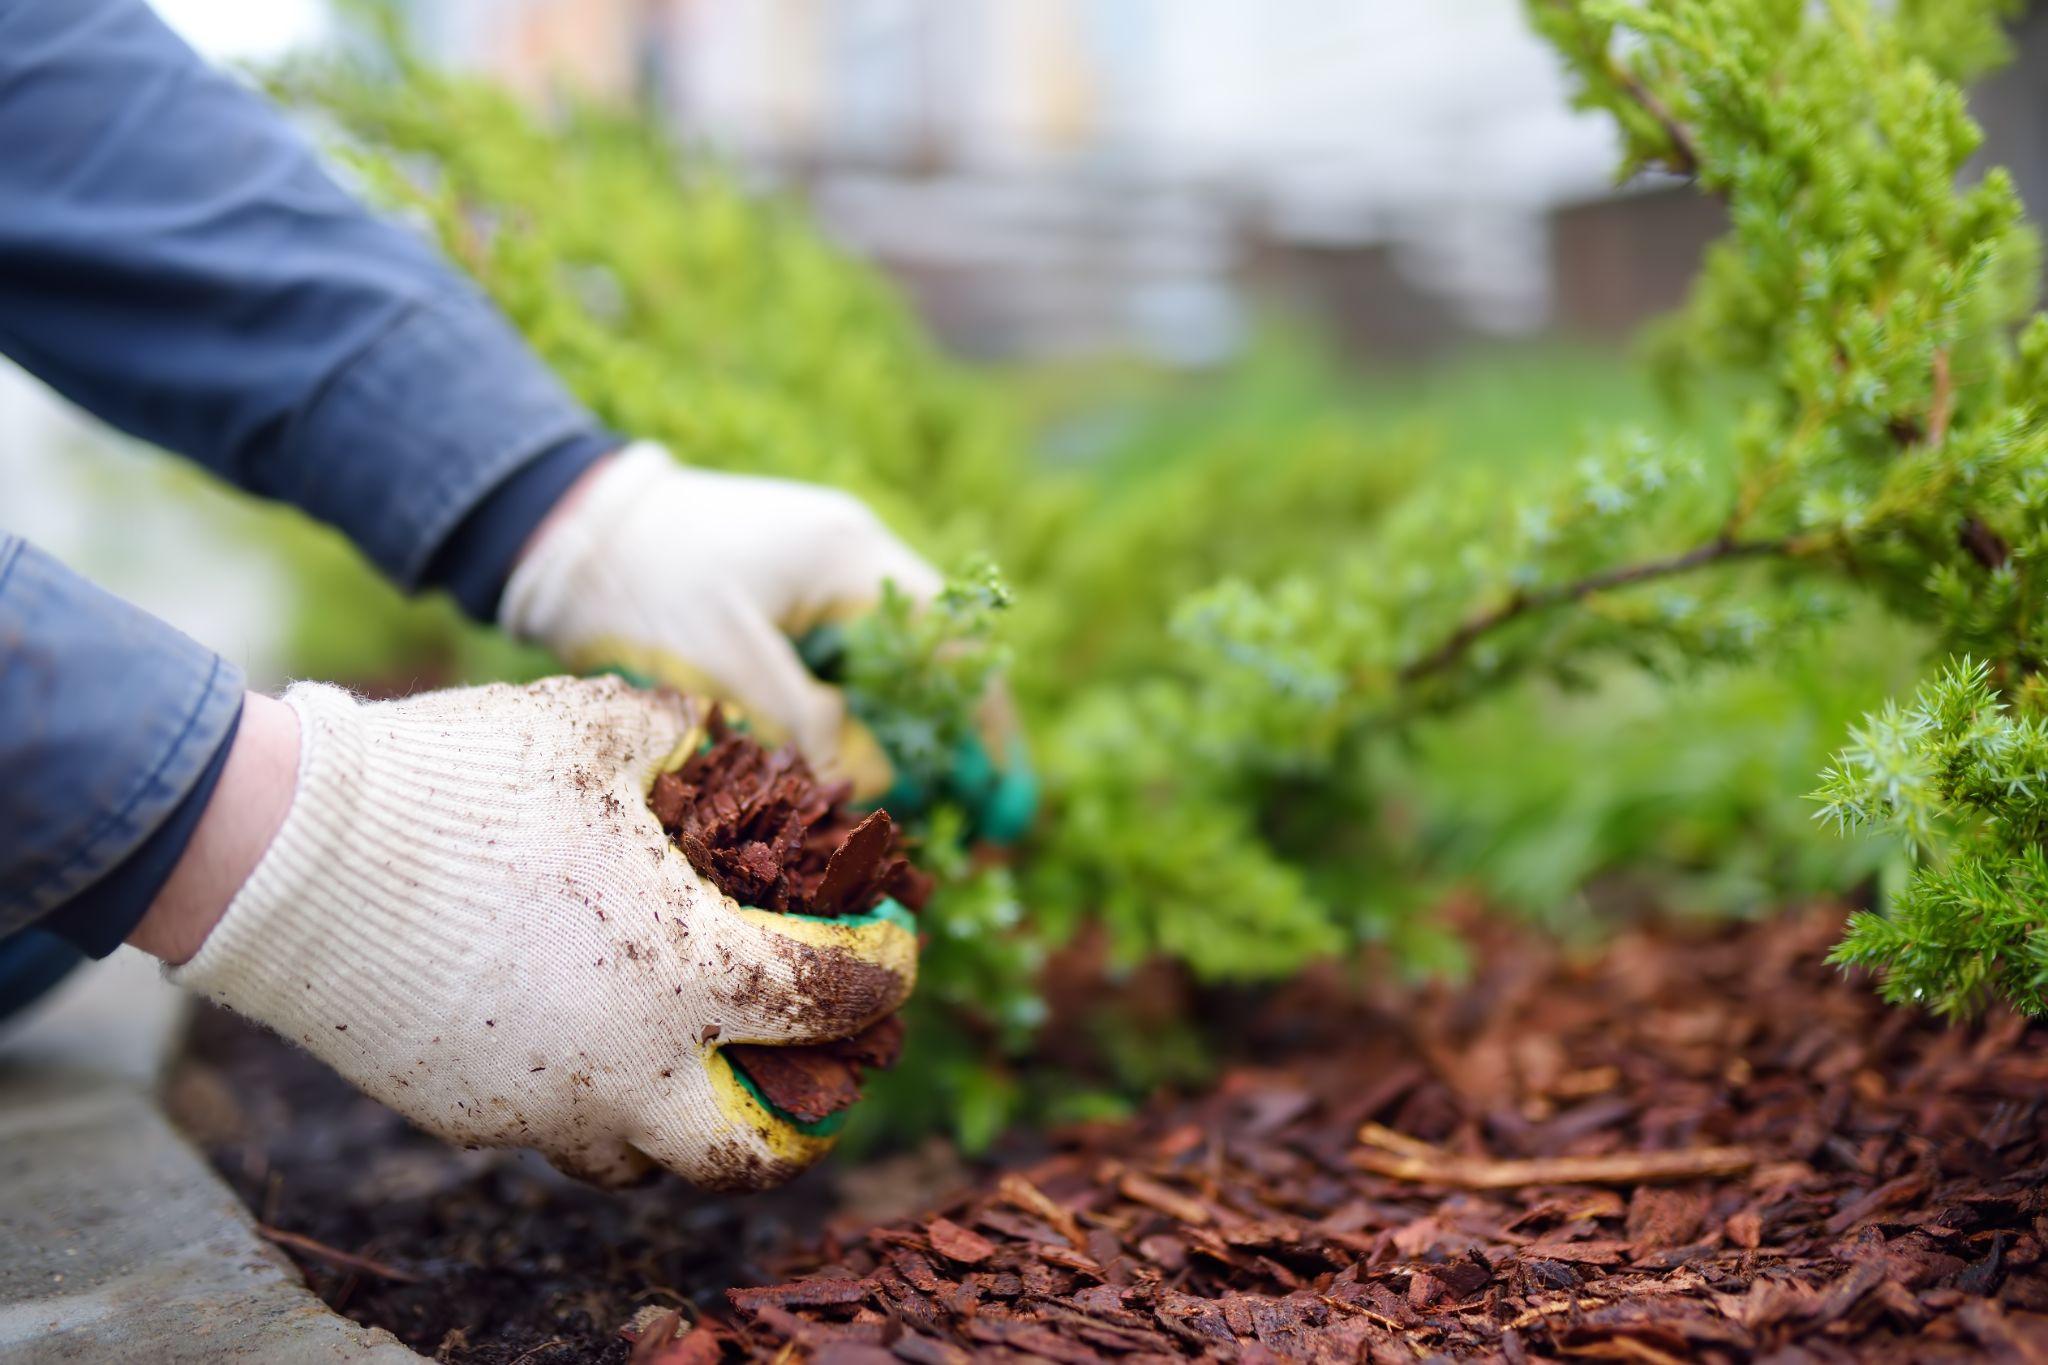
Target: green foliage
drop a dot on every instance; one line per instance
(1688, 793)
(1963, 777)
(680, 308)
(917, 678)
(1270, 467)
(1890, 448)
(1899, 441)
(1867, 301)
(1297, 655)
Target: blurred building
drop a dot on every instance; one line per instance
(1053, 176)
(2012, 105)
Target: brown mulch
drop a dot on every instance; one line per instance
(1700, 1144)
(759, 826)
(1690, 1148)
(763, 829)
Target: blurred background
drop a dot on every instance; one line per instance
(1057, 184)
(1054, 182)
(1153, 227)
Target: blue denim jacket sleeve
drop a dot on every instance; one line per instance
(107, 717)
(174, 259)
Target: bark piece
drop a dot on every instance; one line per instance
(666, 1340)
(853, 874)
(808, 1082)
(956, 1243)
(816, 1081)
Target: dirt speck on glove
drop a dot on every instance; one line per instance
(758, 824)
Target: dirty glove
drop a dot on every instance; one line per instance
(700, 580)
(471, 914)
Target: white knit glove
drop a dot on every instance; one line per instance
(472, 915)
(700, 580)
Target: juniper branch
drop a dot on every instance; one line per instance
(1684, 157)
(1473, 629)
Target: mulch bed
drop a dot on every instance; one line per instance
(1700, 1144)
(1710, 1149)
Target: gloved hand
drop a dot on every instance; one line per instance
(471, 914)
(700, 580)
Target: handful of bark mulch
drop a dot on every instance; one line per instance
(758, 825)
(1694, 1148)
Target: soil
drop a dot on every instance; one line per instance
(760, 827)
(505, 1254)
(1700, 1144)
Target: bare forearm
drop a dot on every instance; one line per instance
(248, 805)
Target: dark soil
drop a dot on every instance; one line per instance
(514, 1261)
(760, 827)
(1698, 1145)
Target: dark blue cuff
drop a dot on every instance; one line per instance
(99, 919)
(475, 561)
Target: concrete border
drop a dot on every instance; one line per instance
(118, 1243)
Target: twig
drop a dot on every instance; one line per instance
(1686, 155)
(533, 1351)
(1021, 1193)
(1157, 1195)
(1551, 1311)
(1942, 406)
(320, 1251)
(1379, 1320)
(1400, 1144)
(1403, 1158)
(1985, 545)
(1685, 159)
(1473, 628)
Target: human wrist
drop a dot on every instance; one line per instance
(248, 805)
(571, 498)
